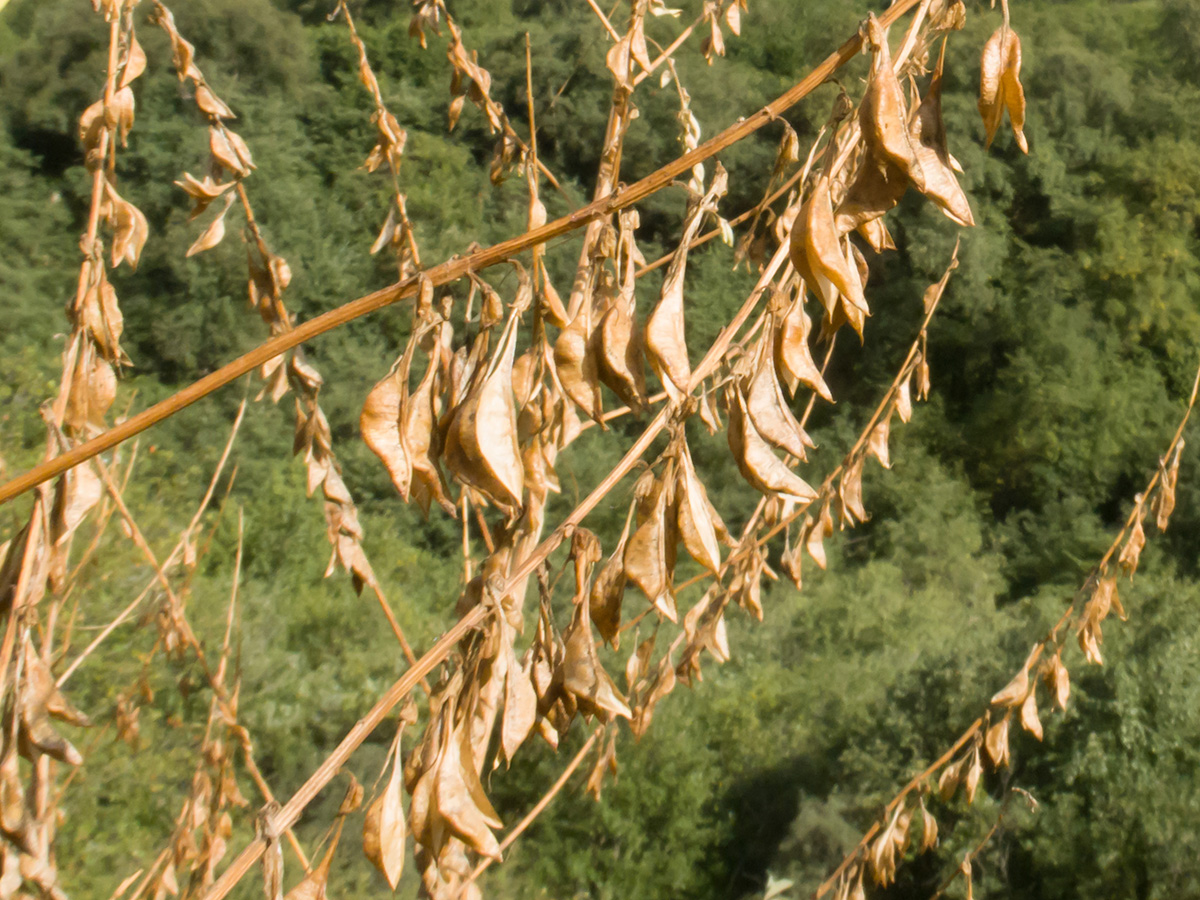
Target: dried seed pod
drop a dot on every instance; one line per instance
(792, 356)
(876, 233)
(520, 703)
(607, 592)
(1000, 85)
(1029, 715)
(664, 683)
(878, 186)
(422, 440)
(650, 554)
(929, 145)
(618, 352)
(757, 462)
(769, 410)
(383, 827)
(883, 115)
(666, 342)
(817, 253)
(481, 439)
(584, 676)
(460, 802)
(381, 425)
(694, 514)
(576, 362)
(996, 742)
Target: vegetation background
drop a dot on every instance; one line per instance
(1060, 356)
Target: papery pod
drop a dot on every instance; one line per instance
(769, 410)
(605, 765)
(792, 356)
(757, 462)
(876, 233)
(43, 691)
(314, 884)
(38, 701)
(481, 440)
(1090, 637)
(816, 532)
(381, 426)
(520, 704)
(607, 592)
(1000, 85)
(817, 253)
(890, 846)
(877, 443)
(929, 144)
(422, 440)
(850, 491)
(1131, 552)
(666, 342)
(576, 363)
(883, 116)
(1029, 715)
(904, 399)
(226, 153)
(996, 742)
(14, 819)
(878, 186)
(1014, 693)
(704, 628)
(792, 560)
(130, 229)
(93, 389)
(1164, 500)
(708, 411)
(101, 314)
(972, 774)
(694, 514)
(76, 493)
(459, 799)
(638, 663)
(746, 585)
(383, 828)
(650, 555)
(617, 344)
(950, 779)
(1057, 679)
(584, 676)
(929, 829)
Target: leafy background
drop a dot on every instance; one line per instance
(1060, 355)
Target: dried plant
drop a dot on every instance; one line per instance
(471, 421)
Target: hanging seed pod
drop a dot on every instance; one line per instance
(756, 461)
(793, 359)
(694, 514)
(618, 352)
(650, 554)
(481, 440)
(1000, 85)
(769, 410)
(929, 145)
(576, 363)
(883, 116)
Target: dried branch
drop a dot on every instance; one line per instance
(1088, 607)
